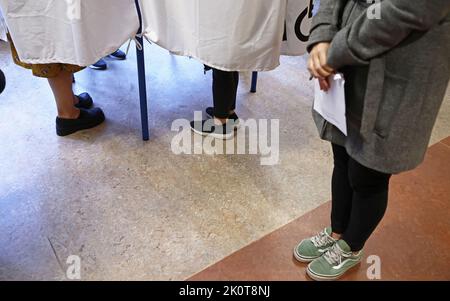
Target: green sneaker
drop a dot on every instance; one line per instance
(311, 248)
(334, 263)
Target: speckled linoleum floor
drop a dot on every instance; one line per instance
(134, 210)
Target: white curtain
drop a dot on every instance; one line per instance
(231, 35)
(298, 24)
(75, 32)
(241, 35)
(3, 29)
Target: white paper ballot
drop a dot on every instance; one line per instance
(331, 104)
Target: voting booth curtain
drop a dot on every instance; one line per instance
(77, 32)
(298, 24)
(3, 29)
(232, 35)
(237, 35)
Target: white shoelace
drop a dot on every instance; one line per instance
(321, 239)
(335, 255)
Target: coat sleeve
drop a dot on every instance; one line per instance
(364, 39)
(324, 24)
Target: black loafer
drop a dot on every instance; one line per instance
(84, 101)
(88, 119)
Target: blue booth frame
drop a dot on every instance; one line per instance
(140, 57)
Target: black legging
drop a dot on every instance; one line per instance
(225, 86)
(359, 199)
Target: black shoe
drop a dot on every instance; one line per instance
(84, 101)
(88, 119)
(234, 116)
(209, 128)
(118, 55)
(2, 81)
(100, 65)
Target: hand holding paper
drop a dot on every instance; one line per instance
(331, 104)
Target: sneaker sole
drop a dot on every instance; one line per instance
(97, 68)
(216, 136)
(316, 277)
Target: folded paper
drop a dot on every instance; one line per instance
(331, 104)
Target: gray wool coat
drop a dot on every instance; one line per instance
(397, 69)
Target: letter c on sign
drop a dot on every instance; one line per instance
(298, 24)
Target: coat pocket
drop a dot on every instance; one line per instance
(393, 96)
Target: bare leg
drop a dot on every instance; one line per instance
(65, 99)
